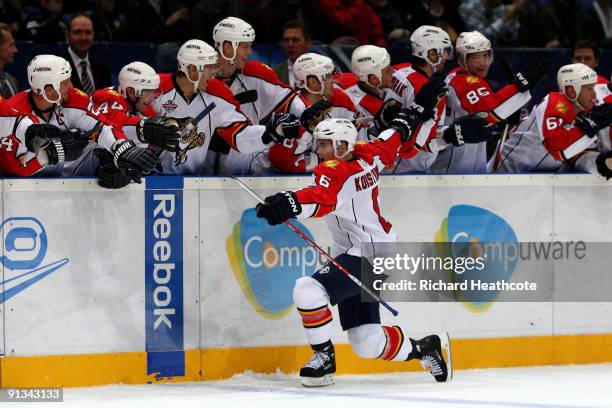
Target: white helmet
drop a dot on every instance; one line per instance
(338, 131)
(313, 64)
(369, 59)
(427, 38)
(575, 75)
(46, 70)
(235, 31)
(471, 42)
(197, 53)
(139, 76)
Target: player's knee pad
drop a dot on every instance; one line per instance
(368, 340)
(308, 293)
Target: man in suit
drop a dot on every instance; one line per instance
(8, 83)
(295, 42)
(88, 74)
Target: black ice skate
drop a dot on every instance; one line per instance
(320, 369)
(435, 355)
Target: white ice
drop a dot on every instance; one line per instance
(535, 387)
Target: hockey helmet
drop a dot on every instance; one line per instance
(470, 42)
(197, 53)
(46, 70)
(427, 38)
(575, 75)
(139, 76)
(235, 31)
(313, 64)
(369, 59)
(338, 131)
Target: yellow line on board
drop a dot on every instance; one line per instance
(219, 363)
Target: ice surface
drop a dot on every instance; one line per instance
(533, 387)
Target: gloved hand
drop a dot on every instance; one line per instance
(468, 129)
(386, 113)
(127, 156)
(426, 100)
(311, 116)
(534, 73)
(280, 127)
(160, 132)
(279, 207)
(109, 176)
(604, 164)
(58, 145)
(405, 122)
(597, 118)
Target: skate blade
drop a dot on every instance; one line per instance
(448, 357)
(324, 381)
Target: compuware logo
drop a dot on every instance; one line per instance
(267, 260)
(480, 228)
(24, 249)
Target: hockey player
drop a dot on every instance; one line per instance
(53, 100)
(431, 48)
(129, 104)
(47, 144)
(314, 78)
(469, 92)
(193, 92)
(351, 207)
(560, 132)
(255, 86)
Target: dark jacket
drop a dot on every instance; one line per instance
(101, 72)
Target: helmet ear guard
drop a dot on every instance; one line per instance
(46, 70)
(338, 131)
(235, 31)
(311, 64)
(369, 60)
(139, 76)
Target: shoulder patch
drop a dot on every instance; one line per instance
(331, 163)
(471, 79)
(561, 107)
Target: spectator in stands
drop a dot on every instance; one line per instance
(496, 21)
(437, 13)
(587, 52)
(88, 74)
(390, 17)
(557, 23)
(207, 13)
(351, 22)
(8, 83)
(295, 42)
(44, 22)
(597, 23)
(157, 21)
(10, 13)
(109, 22)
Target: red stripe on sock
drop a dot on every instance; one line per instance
(395, 339)
(315, 318)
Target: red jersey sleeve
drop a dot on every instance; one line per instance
(12, 159)
(558, 130)
(320, 198)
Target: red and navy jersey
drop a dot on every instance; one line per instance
(346, 193)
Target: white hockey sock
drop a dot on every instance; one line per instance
(376, 341)
(311, 300)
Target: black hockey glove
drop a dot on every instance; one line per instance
(109, 176)
(160, 132)
(311, 116)
(597, 118)
(59, 145)
(127, 156)
(281, 126)
(386, 113)
(426, 100)
(534, 73)
(405, 122)
(279, 207)
(468, 129)
(604, 164)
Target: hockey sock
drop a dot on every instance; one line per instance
(376, 341)
(311, 301)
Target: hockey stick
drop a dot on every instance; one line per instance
(314, 245)
(509, 72)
